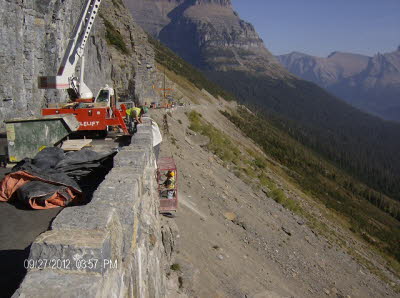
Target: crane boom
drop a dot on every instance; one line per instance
(66, 78)
(93, 114)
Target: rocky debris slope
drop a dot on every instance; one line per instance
(233, 240)
(370, 83)
(208, 34)
(34, 35)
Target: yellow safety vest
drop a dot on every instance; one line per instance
(171, 184)
(130, 111)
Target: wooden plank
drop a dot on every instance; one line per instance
(75, 145)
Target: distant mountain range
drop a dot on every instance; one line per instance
(211, 36)
(369, 83)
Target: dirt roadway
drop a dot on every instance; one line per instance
(233, 241)
(19, 227)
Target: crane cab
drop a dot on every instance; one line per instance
(106, 97)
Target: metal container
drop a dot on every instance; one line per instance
(26, 137)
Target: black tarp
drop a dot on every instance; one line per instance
(55, 178)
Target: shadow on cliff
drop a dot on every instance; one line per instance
(12, 270)
(178, 11)
(181, 35)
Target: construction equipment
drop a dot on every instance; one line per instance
(93, 114)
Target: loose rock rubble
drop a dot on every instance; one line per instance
(244, 244)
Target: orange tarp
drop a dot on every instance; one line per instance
(13, 181)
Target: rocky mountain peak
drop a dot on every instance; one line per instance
(211, 38)
(335, 53)
(225, 3)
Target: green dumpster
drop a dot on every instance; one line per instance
(26, 137)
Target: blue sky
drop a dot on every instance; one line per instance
(319, 27)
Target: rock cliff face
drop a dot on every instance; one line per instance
(370, 83)
(34, 35)
(207, 33)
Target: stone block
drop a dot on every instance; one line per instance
(136, 147)
(123, 175)
(93, 217)
(148, 157)
(50, 284)
(124, 201)
(142, 139)
(144, 128)
(143, 134)
(119, 183)
(88, 217)
(73, 250)
(122, 190)
(134, 159)
(128, 208)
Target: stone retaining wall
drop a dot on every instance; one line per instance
(111, 247)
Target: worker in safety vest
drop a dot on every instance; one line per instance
(135, 113)
(134, 117)
(170, 184)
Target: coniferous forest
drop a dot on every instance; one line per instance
(370, 213)
(363, 145)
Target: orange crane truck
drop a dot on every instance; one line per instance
(93, 114)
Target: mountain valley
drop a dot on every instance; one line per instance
(285, 190)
